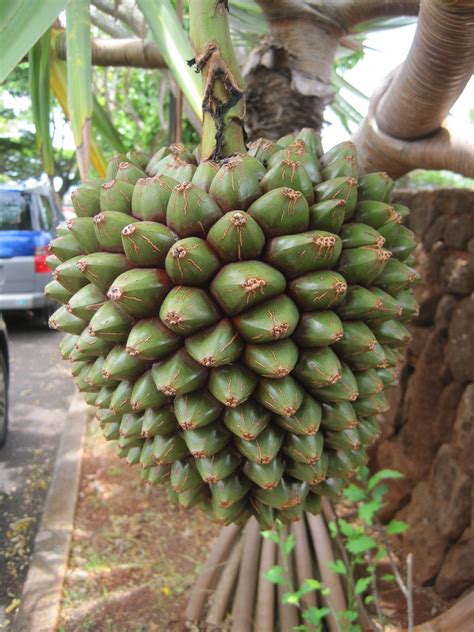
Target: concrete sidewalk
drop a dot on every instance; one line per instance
(41, 596)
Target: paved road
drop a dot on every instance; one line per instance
(40, 392)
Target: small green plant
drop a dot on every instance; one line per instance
(363, 542)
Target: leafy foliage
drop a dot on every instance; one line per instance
(364, 541)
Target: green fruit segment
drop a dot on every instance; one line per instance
(305, 421)
(318, 368)
(219, 466)
(158, 475)
(397, 277)
(264, 448)
(108, 230)
(283, 396)
(356, 235)
(83, 229)
(304, 448)
(184, 476)
(131, 426)
(146, 244)
(195, 410)
(145, 394)
(391, 332)
(140, 292)
(65, 247)
(158, 422)
(375, 186)
(408, 304)
(285, 496)
(120, 365)
(57, 292)
(273, 359)
(150, 198)
(191, 211)
(169, 448)
(357, 338)
(103, 400)
(116, 195)
(328, 215)
(204, 175)
(381, 216)
(235, 185)
(363, 265)
(150, 339)
(344, 390)
(187, 310)
(290, 174)
(269, 322)
(265, 475)
(70, 275)
(91, 345)
(191, 261)
(67, 322)
(121, 399)
(102, 268)
(371, 405)
(404, 243)
(128, 172)
(52, 262)
(236, 237)
(232, 385)
(86, 200)
(205, 442)
(368, 430)
(341, 188)
(347, 439)
(85, 302)
(215, 346)
(247, 420)
(178, 374)
(368, 383)
(338, 416)
(295, 255)
(230, 490)
(318, 329)
(240, 286)
(318, 290)
(281, 211)
(111, 323)
(311, 473)
(360, 302)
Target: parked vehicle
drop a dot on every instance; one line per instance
(28, 217)
(4, 381)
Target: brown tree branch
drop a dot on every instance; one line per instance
(377, 151)
(126, 12)
(121, 52)
(108, 26)
(438, 67)
(349, 13)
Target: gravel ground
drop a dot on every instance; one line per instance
(40, 392)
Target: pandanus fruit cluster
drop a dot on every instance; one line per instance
(236, 324)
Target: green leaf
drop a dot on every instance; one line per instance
(348, 615)
(369, 599)
(38, 62)
(388, 577)
(22, 23)
(289, 544)
(360, 544)
(362, 584)
(325, 591)
(396, 526)
(345, 528)
(291, 598)
(383, 475)
(338, 567)
(275, 575)
(381, 553)
(270, 535)
(102, 124)
(333, 529)
(366, 511)
(314, 615)
(79, 75)
(310, 584)
(174, 46)
(354, 493)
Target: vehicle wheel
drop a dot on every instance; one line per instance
(3, 400)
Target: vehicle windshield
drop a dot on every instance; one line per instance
(14, 211)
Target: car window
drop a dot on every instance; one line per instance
(15, 213)
(46, 213)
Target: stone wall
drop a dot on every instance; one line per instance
(428, 434)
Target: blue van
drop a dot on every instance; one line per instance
(28, 217)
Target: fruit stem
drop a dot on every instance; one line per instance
(223, 105)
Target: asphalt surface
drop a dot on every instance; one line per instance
(40, 392)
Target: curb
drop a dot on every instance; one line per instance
(41, 596)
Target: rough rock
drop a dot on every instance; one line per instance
(451, 489)
(464, 423)
(457, 273)
(444, 310)
(457, 572)
(460, 348)
(423, 539)
(459, 230)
